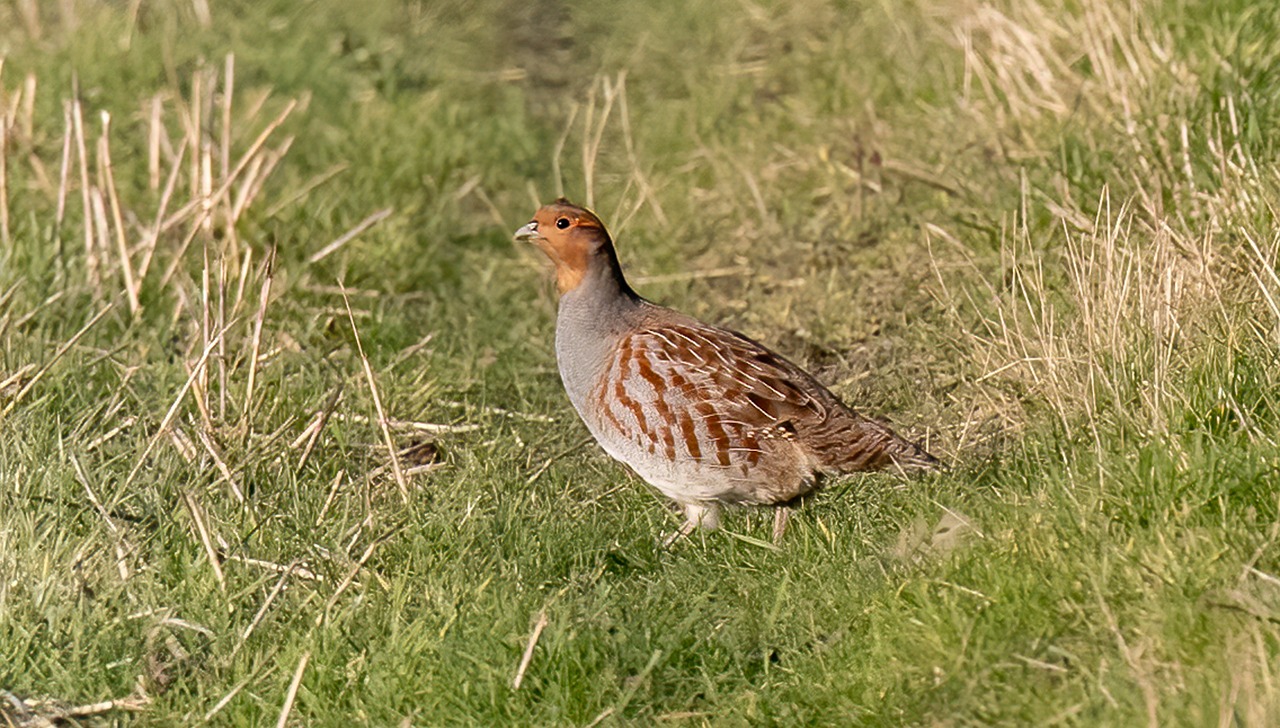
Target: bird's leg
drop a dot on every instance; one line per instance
(707, 516)
(695, 515)
(781, 515)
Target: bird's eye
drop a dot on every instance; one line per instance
(562, 223)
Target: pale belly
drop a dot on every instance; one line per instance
(682, 480)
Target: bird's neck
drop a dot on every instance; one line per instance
(601, 299)
(595, 279)
(593, 316)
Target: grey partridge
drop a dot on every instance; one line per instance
(707, 416)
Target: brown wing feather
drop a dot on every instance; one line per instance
(750, 392)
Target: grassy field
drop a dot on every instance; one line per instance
(282, 439)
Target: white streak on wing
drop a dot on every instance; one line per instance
(683, 335)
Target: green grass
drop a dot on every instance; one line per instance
(1039, 235)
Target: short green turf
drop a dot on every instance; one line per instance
(1039, 236)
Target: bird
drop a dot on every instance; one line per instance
(707, 416)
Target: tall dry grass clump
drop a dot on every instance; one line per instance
(1162, 262)
(1130, 329)
(154, 224)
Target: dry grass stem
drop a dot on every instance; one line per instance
(30, 315)
(262, 610)
(292, 694)
(228, 94)
(215, 453)
(293, 568)
(527, 657)
(177, 402)
(561, 142)
(255, 349)
(122, 246)
(49, 713)
(107, 436)
(411, 351)
(183, 444)
(256, 178)
(155, 127)
(222, 703)
(203, 219)
(377, 404)
(594, 125)
(500, 411)
(82, 157)
(647, 191)
(122, 546)
(333, 494)
(429, 427)
(152, 238)
(17, 378)
(350, 235)
(424, 468)
(694, 275)
(57, 355)
(202, 529)
(307, 188)
(311, 435)
(64, 171)
(350, 578)
(5, 239)
(207, 325)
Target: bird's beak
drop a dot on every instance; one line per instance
(528, 233)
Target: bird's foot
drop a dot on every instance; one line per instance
(685, 529)
(695, 516)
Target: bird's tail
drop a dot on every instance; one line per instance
(911, 458)
(863, 444)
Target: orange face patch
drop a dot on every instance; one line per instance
(568, 235)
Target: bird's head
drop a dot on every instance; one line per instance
(574, 239)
